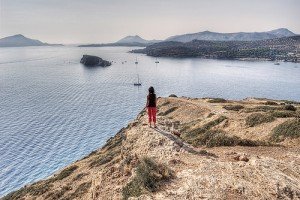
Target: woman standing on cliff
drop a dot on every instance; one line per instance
(151, 106)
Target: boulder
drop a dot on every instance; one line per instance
(90, 61)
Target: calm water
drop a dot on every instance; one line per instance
(54, 110)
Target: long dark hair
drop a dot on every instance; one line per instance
(151, 90)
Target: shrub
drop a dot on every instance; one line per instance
(288, 129)
(64, 173)
(57, 194)
(271, 103)
(258, 118)
(80, 176)
(165, 103)
(191, 135)
(233, 107)
(104, 158)
(292, 102)
(217, 100)
(132, 189)
(283, 114)
(80, 191)
(35, 189)
(168, 111)
(261, 109)
(149, 177)
(216, 138)
(115, 141)
(172, 95)
(289, 107)
(186, 126)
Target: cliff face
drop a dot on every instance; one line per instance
(226, 150)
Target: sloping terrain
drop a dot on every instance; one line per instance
(246, 149)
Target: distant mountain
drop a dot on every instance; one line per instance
(128, 41)
(21, 41)
(240, 36)
(132, 39)
(135, 39)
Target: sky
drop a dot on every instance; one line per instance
(102, 21)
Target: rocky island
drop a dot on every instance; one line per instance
(92, 61)
(203, 148)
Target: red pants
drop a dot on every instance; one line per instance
(152, 114)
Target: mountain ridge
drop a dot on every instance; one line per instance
(20, 40)
(234, 36)
(136, 39)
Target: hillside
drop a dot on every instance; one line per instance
(128, 41)
(136, 39)
(240, 36)
(247, 149)
(286, 49)
(21, 41)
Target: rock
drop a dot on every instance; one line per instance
(237, 158)
(90, 61)
(241, 158)
(172, 95)
(244, 158)
(175, 162)
(176, 133)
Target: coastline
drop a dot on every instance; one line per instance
(114, 165)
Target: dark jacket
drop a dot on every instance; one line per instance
(151, 100)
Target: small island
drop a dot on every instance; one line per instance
(92, 61)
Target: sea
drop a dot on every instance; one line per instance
(54, 110)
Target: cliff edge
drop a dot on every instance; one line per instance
(207, 148)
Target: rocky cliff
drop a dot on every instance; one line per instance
(92, 61)
(207, 148)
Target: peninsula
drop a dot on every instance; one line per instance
(203, 148)
(279, 49)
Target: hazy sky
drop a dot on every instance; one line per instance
(85, 21)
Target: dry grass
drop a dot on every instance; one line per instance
(104, 158)
(150, 176)
(80, 176)
(190, 136)
(40, 187)
(80, 191)
(283, 114)
(233, 107)
(288, 129)
(289, 107)
(168, 111)
(217, 100)
(57, 194)
(64, 173)
(260, 109)
(271, 103)
(258, 118)
(216, 138)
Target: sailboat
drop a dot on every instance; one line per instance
(138, 83)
